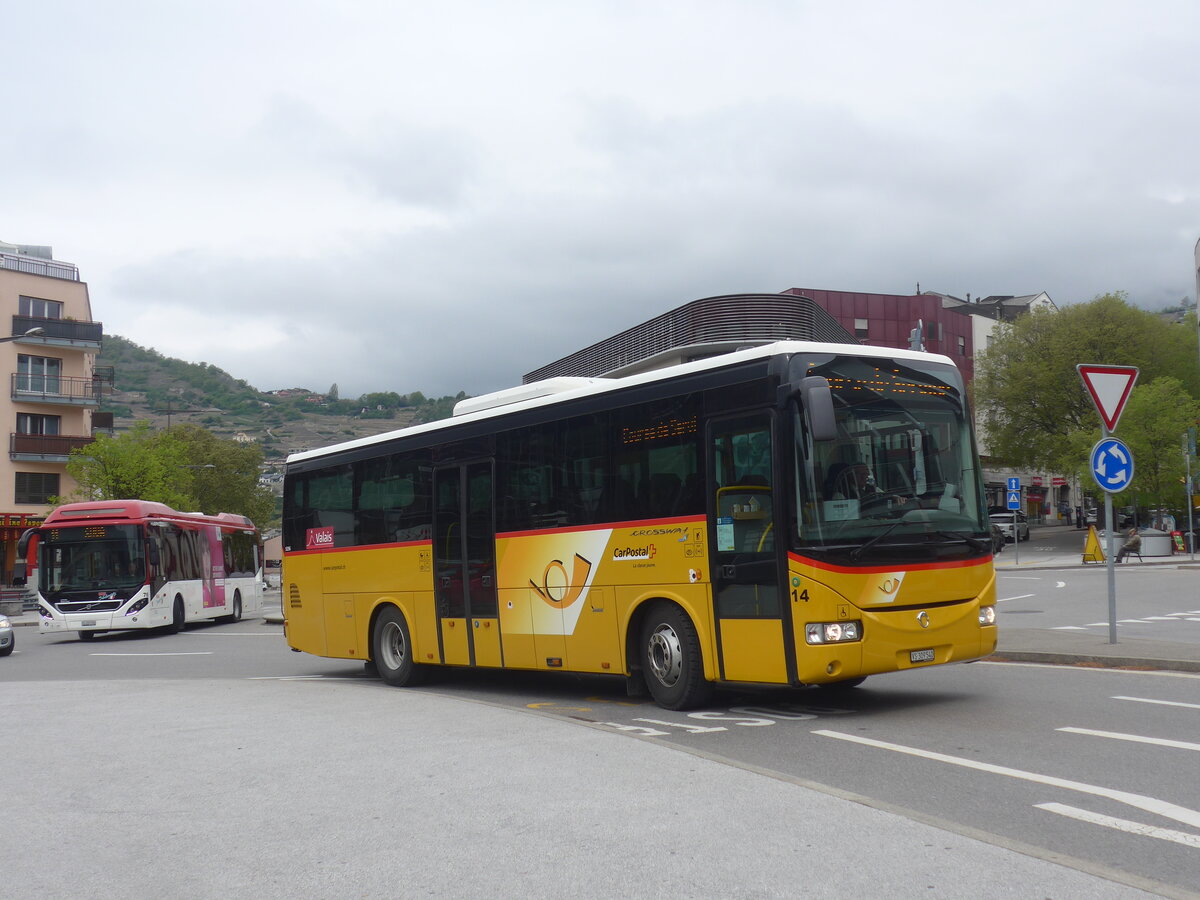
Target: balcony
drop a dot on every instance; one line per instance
(58, 333)
(61, 390)
(45, 447)
(36, 265)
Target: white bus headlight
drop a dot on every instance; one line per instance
(987, 615)
(832, 632)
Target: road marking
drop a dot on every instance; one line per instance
(196, 653)
(1159, 702)
(1138, 801)
(1166, 834)
(1018, 597)
(1060, 584)
(1135, 738)
(1069, 628)
(233, 634)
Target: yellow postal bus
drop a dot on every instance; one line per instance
(792, 514)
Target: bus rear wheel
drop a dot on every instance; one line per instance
(392, 650)
(671, 661)
(236, 615)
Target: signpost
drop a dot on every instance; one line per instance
(1014, 503)
(1111, 461)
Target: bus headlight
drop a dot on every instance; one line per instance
(137, 607)
(832, 632)
(987, 615)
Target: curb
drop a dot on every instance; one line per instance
(1051, 657)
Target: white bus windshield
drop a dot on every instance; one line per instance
(903, 462)
(91, 558)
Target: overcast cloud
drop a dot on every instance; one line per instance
(439, 197)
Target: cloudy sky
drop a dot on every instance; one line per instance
(393, 195)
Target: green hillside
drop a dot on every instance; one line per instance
(164, 390)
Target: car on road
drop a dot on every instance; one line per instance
(7, 640)
(1012, 523)
(998, 538)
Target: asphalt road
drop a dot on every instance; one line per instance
(217, 762)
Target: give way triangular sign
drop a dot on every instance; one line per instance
(1110, 387)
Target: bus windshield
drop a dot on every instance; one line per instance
(91, 558)
(903, 467)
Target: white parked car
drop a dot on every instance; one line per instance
(7, 641)
(1010, 522)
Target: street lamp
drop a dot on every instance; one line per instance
(32, 332)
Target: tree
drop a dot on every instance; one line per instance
(222, 475)
(1033, 407)
(187, 468)
(1156, 418)
(138, 464)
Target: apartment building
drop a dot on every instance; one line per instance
(48, 353)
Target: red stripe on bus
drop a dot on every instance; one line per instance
(358, 547)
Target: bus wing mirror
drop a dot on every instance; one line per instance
(817, 398)
(20, 575)
(152, 553)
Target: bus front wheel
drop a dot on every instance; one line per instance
(392, 650)
(177, 617)
(671, 661)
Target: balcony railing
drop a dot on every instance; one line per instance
(60, 389)
(56, 330)
(45, 447)
(36, 265)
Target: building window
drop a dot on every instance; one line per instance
(36, 487)
(39, 374)
(860, 328)
(962, 346)
(36, 308)
(29, 423)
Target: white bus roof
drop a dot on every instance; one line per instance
(556, 390)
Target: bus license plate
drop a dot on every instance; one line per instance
(920, 656)
(88, 623)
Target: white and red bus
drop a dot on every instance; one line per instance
(120, 565)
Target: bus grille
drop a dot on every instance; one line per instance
(77, 606)
(294, 596)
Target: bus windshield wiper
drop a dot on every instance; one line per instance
(860, 550)
(973, 542)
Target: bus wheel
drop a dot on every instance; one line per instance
(671, 659)
(88, 635)
(391, 649)
(176, 625)
(236, 615)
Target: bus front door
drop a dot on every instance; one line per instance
(744, 550)
(464, 565)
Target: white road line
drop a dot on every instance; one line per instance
(1060, 584)
(1068, 628)
(1138, 801)
(233, 634)
(197, 653)
(1018, 597)
(1134, 738)
(1159, 702)
(1166, 834)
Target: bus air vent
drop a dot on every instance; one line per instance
(294, 596)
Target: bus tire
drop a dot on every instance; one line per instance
(671, 660)
(392, 650)
(236, 615)
(177, 617)
(88, 635)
